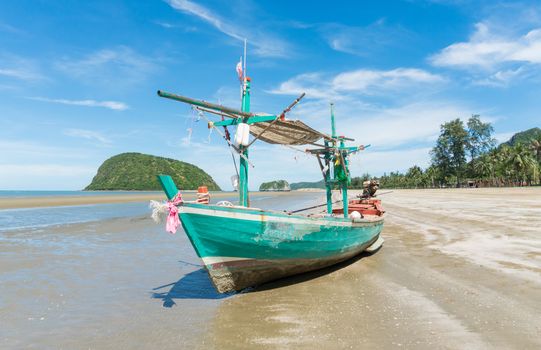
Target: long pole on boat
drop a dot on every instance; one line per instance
(244, 199)
(229, 112)
(345, 182)
(343, 163)
(328, 163)
(328, 185)
(243, 163)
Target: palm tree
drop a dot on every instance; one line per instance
(523, 163)
(536, 147)
(501, 157)
(431, 173)
(414, 176)
(484, 167)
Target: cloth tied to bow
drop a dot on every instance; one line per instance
(173, 221)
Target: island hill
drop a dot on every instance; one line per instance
(279, 185)
(137, 172)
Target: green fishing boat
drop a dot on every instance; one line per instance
(242, 246)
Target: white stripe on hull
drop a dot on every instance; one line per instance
(209, 260)
(262, 217)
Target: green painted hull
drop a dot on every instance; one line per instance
(243, 247)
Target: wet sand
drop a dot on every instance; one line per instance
(121, 197)
(462, 270)
(57, 201)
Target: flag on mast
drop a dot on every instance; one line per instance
(239, 70)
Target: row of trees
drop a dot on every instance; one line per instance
(467, 155)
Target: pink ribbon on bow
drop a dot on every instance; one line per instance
(173, 221)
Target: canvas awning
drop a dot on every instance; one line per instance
(286, 132)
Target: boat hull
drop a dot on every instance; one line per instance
(242, 247)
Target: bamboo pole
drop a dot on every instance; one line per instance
(204, 104)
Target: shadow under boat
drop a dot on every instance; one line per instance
(197, 284)
(193, 285)
(307, 276)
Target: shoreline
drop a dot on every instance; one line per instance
(61, 201)
(122, 197)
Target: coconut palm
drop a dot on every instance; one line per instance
(502, 170)
(484, 167)
(523, 163)
(536, 147)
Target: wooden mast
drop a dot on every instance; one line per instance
(333, 153)
(243, 163)
(343, 162)
(329, 163)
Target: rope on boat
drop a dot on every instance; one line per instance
(211, 124)
(168, 209)
(159, 211)
(313, 207)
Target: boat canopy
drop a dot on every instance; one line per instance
(286, 132)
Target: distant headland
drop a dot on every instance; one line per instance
(137, 172)
(279, 185)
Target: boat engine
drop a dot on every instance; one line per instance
(369, 188)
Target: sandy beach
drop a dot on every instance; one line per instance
(459, 269)
(121, 197)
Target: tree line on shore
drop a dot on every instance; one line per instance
(466, 155)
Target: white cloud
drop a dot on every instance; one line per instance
(486, 49)
(362, 81)
(168, 25)
(49, 176)
(16, 150)
(378, 162)
(401, 133)
(9, 28)
(87, 134)
(165, 24)
(119, 65)
(31, 164)
(18, 73)
(265, 44)
(363, 41)
(503, 136)
(416, 123)
(206, 15)
(16, 67)
(315, 85)
(114, 105)
(502, 78)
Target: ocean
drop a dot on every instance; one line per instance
(47, 193)
(27, 218)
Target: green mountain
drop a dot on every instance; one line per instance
(280, 185)
(524, 137)
(136, 171)
(299, 185)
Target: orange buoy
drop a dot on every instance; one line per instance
(203, 196)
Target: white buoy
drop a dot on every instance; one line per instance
(242, 137)
(355, 215)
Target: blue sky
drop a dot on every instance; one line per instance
(78, 80)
